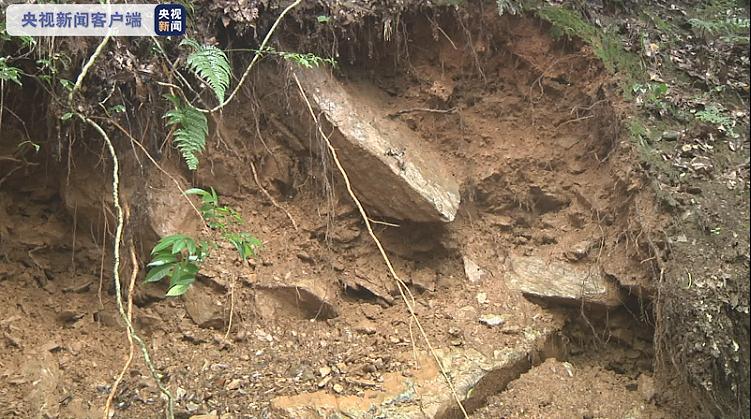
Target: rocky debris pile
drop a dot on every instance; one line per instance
(422, 391)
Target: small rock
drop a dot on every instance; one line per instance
(482, 298)
(192, 407)
(261, 335)
(107, 318)
(681, 238)
(307, 297)
(466, 313)
(69, 316)
(491, 320)
(646, 387)
(342, 367)
(671, 135)
(12, 340)
(456, 342)
(324, 371)
(322, 383)
(453, 331)
(51, 347)
(366, 327)
(424, 279)
(569, 368)
(510, 329)
(203, 307)
(338, 388)
(234, 384)
(578, 252)
(371, 311)
(472, 270)
(394, 339)
(503, 222)
(241, 335)
(76, 347)
(304, 256)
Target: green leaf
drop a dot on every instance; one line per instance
(166, 242)
(178, 290)
(66, 116)
(157, 273)
(179, 245)
(67, 84)
(117, 109)
(162, 259)
(196, 191)
(8, 72)
(191, 132)
(323, 19)
(210, 65)
(184, 273)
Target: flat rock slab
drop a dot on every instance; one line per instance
(388, 164)
(561, 281)
(424, 394)
(305, 297)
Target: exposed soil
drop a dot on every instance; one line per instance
(573, 390)
(530, 129)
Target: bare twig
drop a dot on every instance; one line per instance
(571, 121)
(402, 287)
(411, 110)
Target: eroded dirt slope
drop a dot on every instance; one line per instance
(529, 129)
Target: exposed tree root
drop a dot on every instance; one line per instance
(131, 347)
(116, 266)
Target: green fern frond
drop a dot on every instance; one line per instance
(191, 131)
(210, 65)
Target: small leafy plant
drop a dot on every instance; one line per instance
(191, 129)
(8, 72)
(179, 257)
(211, 65)
(717, 117)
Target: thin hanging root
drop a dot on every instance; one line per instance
(131, 347)
(116, 266)
(231, 307)
(403, 289)
(271, 198)
(166, 173)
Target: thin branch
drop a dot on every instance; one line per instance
(411, 110)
